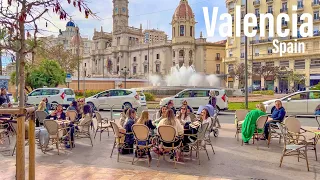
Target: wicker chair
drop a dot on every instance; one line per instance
(73, 115)
(117, 139)
(293, 125)
(83, 130)
(54, 132)
(4, 132)
(200, 142)
(208, 132)
(102, 125)
(141, 135)
(294, 144)
(41, 116)
(260, 123)
(167, 134)
(240, 116)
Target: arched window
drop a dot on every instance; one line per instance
(173, 53)
(181, 53)
(173, 31)
(181, 30)
(191, 31)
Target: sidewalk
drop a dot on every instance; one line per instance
(231, 161)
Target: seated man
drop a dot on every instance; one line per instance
(277, 115)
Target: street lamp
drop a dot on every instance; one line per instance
(125, 72)
(84, 79)
(76, 41)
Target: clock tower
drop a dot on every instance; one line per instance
(120, 14)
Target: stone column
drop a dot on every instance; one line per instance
(276, 81)
(291, 67)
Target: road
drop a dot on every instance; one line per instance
(224, 117)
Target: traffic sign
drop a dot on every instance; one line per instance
(68, 78)
(68, 75)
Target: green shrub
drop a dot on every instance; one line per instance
(149, 96)
(268, 92)
(88, 93)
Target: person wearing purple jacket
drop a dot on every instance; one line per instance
(212, 99)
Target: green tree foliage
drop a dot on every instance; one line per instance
(48, 73)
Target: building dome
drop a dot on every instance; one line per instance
(183, 10)
(70, 24)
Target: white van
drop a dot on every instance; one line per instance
(197, 97)
(55, 96)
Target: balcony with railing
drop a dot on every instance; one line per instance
(315, 4)
(300, 22)
(269, 1)
(256, 3)
(218, 58)
(300, 7)
(283, 10)
(231, 9)
(284, 24)
(230, 59)
(270, 11)
(316, 19)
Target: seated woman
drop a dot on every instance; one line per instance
(80, 104)
(189, 109)
(129, 138)
(277, 115)
(123, 117)
(161, 114)
(172, 121)
(194, 126)
(144, 119)
(249, 123)
(57, 114)
(183, 116)
(73, 106)
(48, 105)
(42, 106)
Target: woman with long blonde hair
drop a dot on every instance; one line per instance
(249, 123)
(144, 119)
(170, 120)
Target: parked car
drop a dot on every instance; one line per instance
(301, 103)
(55, 96)
(116, 98)
(142, 97)
(197, 97)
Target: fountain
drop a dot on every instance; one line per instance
(185, 76)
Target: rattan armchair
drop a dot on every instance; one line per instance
(240, 115)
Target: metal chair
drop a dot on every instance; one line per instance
(240, 115)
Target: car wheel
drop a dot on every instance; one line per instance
(127, 105)
(92, 106)
(54, 105)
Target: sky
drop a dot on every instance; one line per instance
(157, 13)
(150, 13)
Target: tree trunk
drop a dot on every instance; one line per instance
(22, 57)
(1, 63)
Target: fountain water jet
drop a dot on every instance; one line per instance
(185, 76)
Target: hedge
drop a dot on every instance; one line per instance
(149, 96)
(88, 93)
(268, 92)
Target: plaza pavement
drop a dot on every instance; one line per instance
(231, 161)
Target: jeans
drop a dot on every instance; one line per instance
(266, 128)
